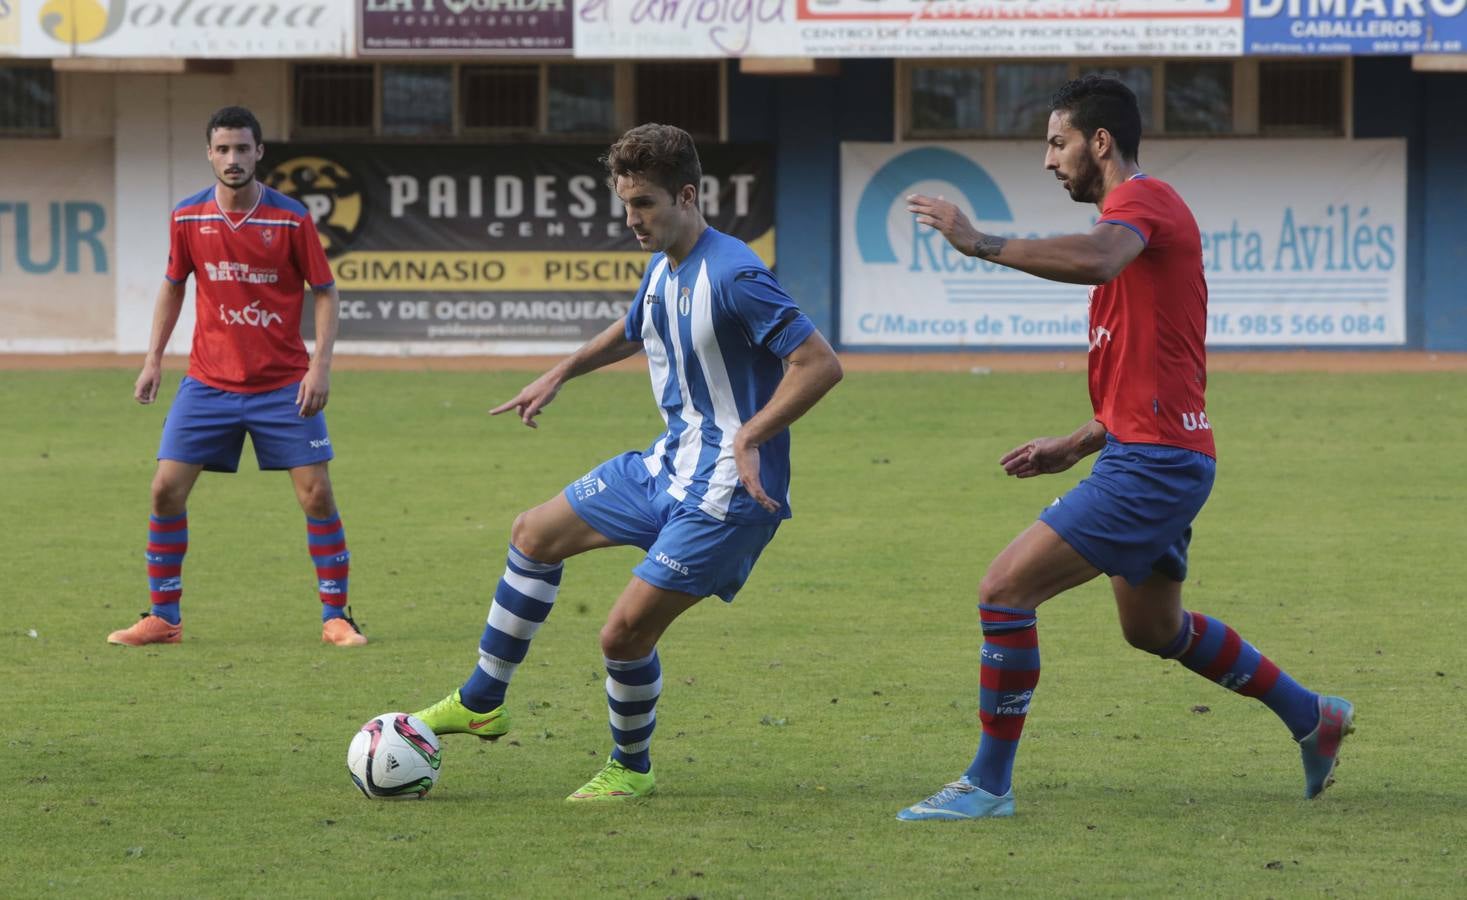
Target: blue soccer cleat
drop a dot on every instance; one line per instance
(961, 799)
(1321, 747)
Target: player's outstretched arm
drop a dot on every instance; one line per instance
(1093, 258)
(604, 349)
(310, 397)
(812, 370)
(1046, 456)
(165, 316)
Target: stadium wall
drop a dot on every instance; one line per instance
(154, 123)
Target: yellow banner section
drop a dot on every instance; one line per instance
(550, 270)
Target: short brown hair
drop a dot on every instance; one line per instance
(661, 154)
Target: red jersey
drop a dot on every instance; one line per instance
(249, 275)
(1148, 325)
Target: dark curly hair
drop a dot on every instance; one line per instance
(661, 154)
(232, 117)
(1102, 101)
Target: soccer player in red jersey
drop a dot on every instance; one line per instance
(1131, 517)
(252, 251)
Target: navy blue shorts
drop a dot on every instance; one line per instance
(207, 426)
(687, 549)
(1132, 515)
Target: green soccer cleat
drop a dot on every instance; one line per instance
(450, 716)
(615, 782)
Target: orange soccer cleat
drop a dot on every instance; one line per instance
(342, 632)
(150, 629)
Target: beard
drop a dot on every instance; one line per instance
(236, 180)
(1086, 183)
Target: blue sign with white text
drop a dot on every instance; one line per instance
(1354, 27)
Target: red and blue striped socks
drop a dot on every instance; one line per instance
(167, 543)
(1009, 674)
(327, 540)
(1216, 652)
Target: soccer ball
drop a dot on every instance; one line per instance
(394, 757)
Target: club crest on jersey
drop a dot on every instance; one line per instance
(267, 236)
(685, 301)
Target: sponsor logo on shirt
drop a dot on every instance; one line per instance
(251, 315)
(1196, 421)
(241, 272)
(208, 229)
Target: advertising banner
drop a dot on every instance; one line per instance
(464, 27)
(1355, 27)
(494, 243)
(9, 27)
(908, 28)
(1303, 242)
(185, 28)
(56, 257)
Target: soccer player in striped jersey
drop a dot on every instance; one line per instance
(733, 363)
(252, 251)
(1131, 519)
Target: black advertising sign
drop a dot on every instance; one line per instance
(494, 243)
(464, 27)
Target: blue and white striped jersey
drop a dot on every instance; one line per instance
(716, 331)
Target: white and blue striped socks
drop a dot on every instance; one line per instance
(522, 600)
(632, 689)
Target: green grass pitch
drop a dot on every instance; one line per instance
(839, 687)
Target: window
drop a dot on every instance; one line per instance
(500, 97)
(335, 98)
(27, 101)
(1199, 97)
(684, 94)
(1181, 98)
(948, 99)
(417, 101)
(1023, 94)
(486, 101)
(1304, 96)
(582, 99)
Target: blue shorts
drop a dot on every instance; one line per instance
(207, 426)
(1132, 515)
(687, 549)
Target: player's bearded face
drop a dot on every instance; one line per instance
(1072, 159)
(234, 156)
(1085, 181)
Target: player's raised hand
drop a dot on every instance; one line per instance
(534, 397)
(310, 397)
(746, 457)
(145, 389)
(1041, 456)
(946, 218)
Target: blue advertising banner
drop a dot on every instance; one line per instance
(1354, 27)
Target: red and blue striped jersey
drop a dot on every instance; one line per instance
(250, 271)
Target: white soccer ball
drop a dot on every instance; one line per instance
(394, 757)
